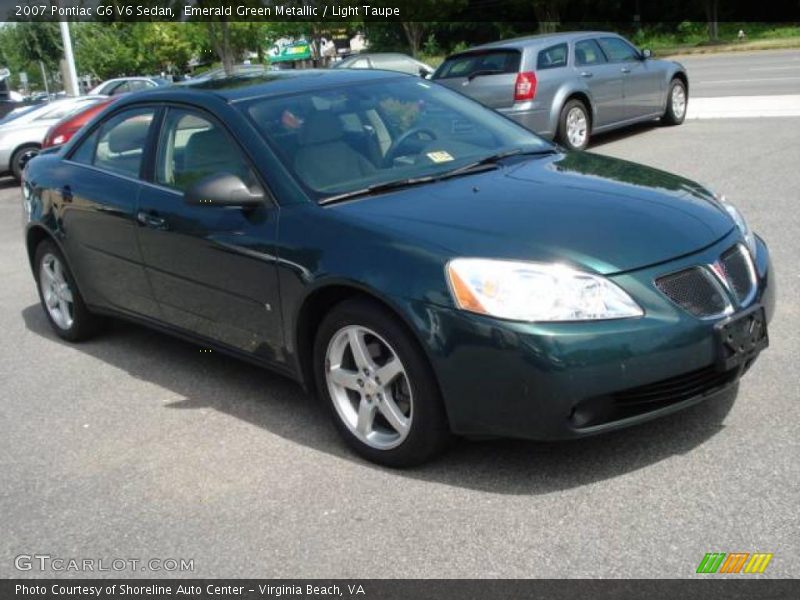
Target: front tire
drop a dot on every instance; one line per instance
(574, 125)
(677, 103)
(20, 158)
(62, 302)
(380, 389)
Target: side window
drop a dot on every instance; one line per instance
(588, 53)
(552, 57)
(617, 50)
(118, 145)
(121, 88)
(193, 147)
(361, 63)
(139, 84)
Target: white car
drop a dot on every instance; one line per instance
(22, 131)
(123, 85)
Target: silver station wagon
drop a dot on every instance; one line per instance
(568, 86)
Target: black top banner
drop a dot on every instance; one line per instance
(331, 11)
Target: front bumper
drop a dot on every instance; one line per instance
(566, 380)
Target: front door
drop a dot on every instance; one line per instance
(640, 80)
(212, 268)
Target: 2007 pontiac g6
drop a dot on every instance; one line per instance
(425, 265)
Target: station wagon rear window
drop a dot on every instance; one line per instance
(492, 61)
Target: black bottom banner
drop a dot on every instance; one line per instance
(390, 589)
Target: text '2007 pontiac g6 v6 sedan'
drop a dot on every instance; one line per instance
(428, 267)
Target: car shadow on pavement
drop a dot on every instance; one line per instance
(278, 405)
(601, 139)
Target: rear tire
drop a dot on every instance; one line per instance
(20, 158)
(677, 103)
(62, 302)
(574, 125)
(398, 421)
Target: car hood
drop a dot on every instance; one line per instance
(597, 213)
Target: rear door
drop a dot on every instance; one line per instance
(101, 185)
(488, 76)
(604, 81)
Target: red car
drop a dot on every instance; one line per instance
(61, 132)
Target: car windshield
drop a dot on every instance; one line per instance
(348, 138)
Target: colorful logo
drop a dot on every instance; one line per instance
(735, 562)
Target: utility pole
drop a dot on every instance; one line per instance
(71, 76)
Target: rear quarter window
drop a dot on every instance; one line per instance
(552, 57)
(464, 65)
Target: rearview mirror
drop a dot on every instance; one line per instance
(222, 189)
(646, 53)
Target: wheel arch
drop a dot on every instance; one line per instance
(585, 98)
(319, 302)
(34, 236)
(684, 79)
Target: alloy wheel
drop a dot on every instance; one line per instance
(576, 127)
(56, 291)
(369, 387)
(678, 101)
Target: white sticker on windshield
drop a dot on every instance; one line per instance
(439, 156)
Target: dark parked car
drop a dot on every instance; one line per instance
(427, 266)
(388, 61)
(570, 85)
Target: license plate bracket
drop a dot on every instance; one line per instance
(741, 337)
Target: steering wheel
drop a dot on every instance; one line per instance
(394, 149)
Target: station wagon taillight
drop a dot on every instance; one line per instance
(525, 86)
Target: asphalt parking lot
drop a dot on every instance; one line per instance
(136, 445)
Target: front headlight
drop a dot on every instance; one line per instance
(741, 224)
(527, 291)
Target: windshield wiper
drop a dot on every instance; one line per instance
(401, 183)
(493, 159)
(377, 188)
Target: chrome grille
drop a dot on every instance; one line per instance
(739, 273)
(696, 291)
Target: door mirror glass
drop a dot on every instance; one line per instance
(647, 53)
(222, 189)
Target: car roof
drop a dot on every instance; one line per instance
(270, 83)
(531, 41)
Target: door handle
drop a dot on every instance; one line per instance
(151, 220)
(586, 74)
(625, 70)
(66, 193)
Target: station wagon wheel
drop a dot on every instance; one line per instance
(677, 103)
(574, 125)
(383, 397)
(60, 298)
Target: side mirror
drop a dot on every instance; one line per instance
(646, 53)
(222, 189)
